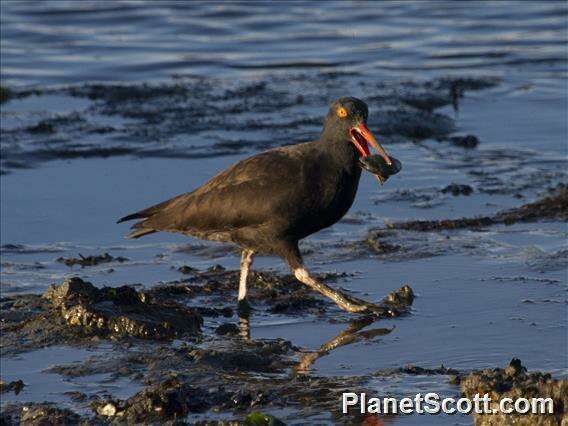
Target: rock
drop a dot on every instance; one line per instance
(76, 312)
(169, 399)
(5, 94)
(457, 189)
(91, 260)
(468, 141)
(417, 125)
(415, 370)
(426, 101)
(120, 312)
(295, 304)
(401, 298)
(76, 396)
(227, 329)
(515, 368)
(15, 386)
(375, 243)
(70, 288)
(108, 410)
(44, 414)
(186, 269)
(257, 418)
(42, 127)
(515, 382)
(216, 268)
(242, 360)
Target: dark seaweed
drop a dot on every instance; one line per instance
(91, 260)
(153, 117)
(551, 207)
(457, 189)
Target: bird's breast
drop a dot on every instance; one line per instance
(330, 195)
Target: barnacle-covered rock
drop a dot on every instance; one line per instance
(122, 311)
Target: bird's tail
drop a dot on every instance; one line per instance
(143, 227)
(139, 215)
(139, 233)
(139, 229)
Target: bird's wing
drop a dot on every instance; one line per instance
(249, 193)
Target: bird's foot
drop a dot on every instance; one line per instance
(356, 305)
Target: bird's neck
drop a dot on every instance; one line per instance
(341, 150)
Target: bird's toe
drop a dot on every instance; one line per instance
(361, 306)
(376, 309)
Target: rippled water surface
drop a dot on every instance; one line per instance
(63, 42)
(118, 105)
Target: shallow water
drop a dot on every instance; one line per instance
(483, 297)
(78, 42)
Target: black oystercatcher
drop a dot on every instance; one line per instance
(269, 202)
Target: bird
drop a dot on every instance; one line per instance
(267, 203)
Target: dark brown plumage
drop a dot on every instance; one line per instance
(270, 201)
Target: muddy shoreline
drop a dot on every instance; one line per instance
(222, 375)
(147, 119)
(213, 368)
(401, 239)
(182, 342)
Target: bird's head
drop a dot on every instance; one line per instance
(347, 121)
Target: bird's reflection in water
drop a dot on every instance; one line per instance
(244, 327)
(352, 334)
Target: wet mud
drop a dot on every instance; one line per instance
(267, 291)
(38, 414)
(467, 141)
(457, 189)
(92, 260)
(15, 386)
(76, 312)
(184, 341)
(551, 207)
(148, 120)
(427, 238)
(220, 369)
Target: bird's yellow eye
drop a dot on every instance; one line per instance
(341, 112)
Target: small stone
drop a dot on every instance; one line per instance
(458, 189)
(108, 410)
(69, 288)
(515, 368)
(260, 419)
(227, 329)
(216, 268)
(186, 269)
(468, 141)
(16, 386)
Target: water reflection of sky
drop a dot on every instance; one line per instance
(72, 42)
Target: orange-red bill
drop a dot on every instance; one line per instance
(362, 137)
